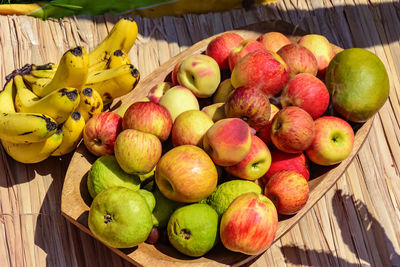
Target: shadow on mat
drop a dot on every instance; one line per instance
(339, 17)
(369, 225)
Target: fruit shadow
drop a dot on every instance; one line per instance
(369, 226)
(336, 16)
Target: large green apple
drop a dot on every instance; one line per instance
(120, 217)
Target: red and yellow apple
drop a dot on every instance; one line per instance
(200, 74)
(174, 73)
(228, 141)
(292, 130)
(333, 141)
(137, 152)
(288, 190)
(148, 117)
(245, 47)
(220, 47)
(307, 92)
(250, 104)
(321, 48)
(179, 99)
(186, 174)
(190, 127)
(249, 224)
(299, 59)
(262, 69)
(265, 132)
(158, 91)
(255, 164)
(282, 161)
(100, 132)
(273, 41)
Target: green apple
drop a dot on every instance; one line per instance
(120, 218)
(215, 111)
(223, 91)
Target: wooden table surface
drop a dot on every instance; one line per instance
(356, 223)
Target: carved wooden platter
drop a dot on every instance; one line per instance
(76, 200)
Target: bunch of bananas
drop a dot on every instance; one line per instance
(44, 108)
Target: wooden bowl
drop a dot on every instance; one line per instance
(76, 200)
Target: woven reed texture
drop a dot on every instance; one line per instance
(355, 223)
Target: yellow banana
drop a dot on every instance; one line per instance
(90, 103)
(33, 152)
(35, 84)
(26, 127)
(112, 83)
(7, 97)
(72, 130)
(118, 58)
(44, 71)
(58, 104)
(72, 71)
(122, 36)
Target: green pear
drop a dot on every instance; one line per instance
(120, 217)
(193, 229)
(106, 173)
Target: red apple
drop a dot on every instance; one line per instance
(273, 41)
(263, 69)
(249, 224)
(174, 74)
(292, 130)
(307, 92)
(288, 190)
(250, 104)
(243, 49)
(228, 141)
(255, 164)
(186, 174)
(265, 132)
(137, 152)
(148, 117)
(190, 127)
(100, 133)
(156, 92)
(287, 161)
(321, 48)
(299, 59)
(220, 47)
(333, 141)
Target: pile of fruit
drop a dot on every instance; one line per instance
(44, 108)
(199, 161)
(205, 157)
